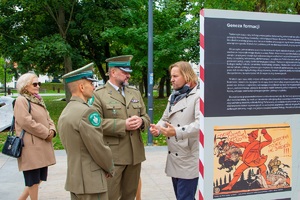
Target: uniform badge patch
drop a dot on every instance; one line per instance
(91, 100)
(95, 119)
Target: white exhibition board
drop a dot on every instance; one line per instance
(250, 105)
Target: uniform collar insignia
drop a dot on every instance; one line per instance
(91, 100)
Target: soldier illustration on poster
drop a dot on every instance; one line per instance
(252, 159)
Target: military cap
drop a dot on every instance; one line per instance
(85, 72)
(122, 62)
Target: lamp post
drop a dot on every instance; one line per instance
(7, 61)
(150, 67)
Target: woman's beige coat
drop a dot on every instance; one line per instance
(37, 152)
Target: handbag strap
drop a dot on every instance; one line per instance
(12, 127)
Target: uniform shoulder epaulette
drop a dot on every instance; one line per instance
(132, 87)
(99, 87)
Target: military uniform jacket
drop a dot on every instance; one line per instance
(127, 146)
(87, 156)
(37, 152)
(183, 149)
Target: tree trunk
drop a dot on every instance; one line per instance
(68, 68)
(161, 89)
(141, 87)
(261, 6)
(297, 6)
(67, 59)
(107, 55)
(59, 16)
(101, 71)
(168, 86)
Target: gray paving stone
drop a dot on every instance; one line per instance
(155, 184)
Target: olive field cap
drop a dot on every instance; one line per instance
(85, 72)
(122, 62)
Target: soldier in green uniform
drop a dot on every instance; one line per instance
(80, 128)
(124, 116)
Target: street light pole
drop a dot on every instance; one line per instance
(150, 67)
(7, 61)
(5, 79)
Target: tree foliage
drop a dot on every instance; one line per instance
(6, 68)
(57, 36)
(270, 6)
(30, 36)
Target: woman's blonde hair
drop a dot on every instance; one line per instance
(24, 80)
(186, 70)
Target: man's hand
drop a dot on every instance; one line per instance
(154, 130)
(109, 175)
(133, 123)
(168, 131)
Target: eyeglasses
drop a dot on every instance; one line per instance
(36, 84)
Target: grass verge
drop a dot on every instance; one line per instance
(55, 107)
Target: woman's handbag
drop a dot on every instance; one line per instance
(14, 144)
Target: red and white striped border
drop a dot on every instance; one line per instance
(201, 132)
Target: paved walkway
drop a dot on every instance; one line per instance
(155, 184)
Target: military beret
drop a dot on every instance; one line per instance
(85, 72)
(122, 62)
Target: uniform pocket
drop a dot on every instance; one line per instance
(137, 109)
(94, 167)
(115, 106)
(137, 106)
(95, 180)
(111, 140)
(113, 110)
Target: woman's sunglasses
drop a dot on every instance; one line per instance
(36, 84)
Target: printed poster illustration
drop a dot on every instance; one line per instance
(250, 160)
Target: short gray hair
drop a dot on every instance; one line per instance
(25, 80)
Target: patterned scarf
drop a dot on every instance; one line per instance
(177, 95)
(34, 98)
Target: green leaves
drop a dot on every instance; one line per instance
(43, 34)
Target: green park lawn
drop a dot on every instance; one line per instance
(55, 107)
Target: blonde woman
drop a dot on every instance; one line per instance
(38, 152)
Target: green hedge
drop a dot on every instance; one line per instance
(52, 88)
(45, 88)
